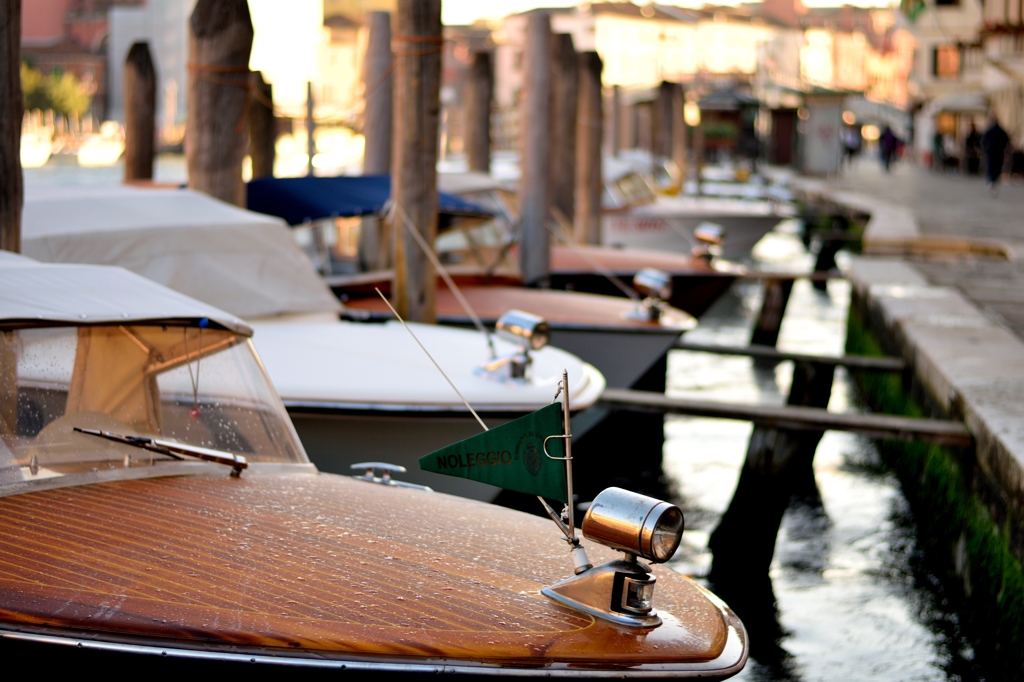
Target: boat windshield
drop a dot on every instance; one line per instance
(633, 189)
(197, 387)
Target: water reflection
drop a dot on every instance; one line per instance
(847, 596)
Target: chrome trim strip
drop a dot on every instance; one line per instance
(658, 328)
(730, 662)
(162, 470)
(390, 408)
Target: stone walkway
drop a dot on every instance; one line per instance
(953, 205)
(944, 204)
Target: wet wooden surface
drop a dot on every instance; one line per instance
(559, 308)
(800, 418)
(584, 258)
(318, 563)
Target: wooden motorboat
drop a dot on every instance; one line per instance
(159, 513)
(637, 216)
(668, 223)
(476, 224)
(352, 389)
(615, 335)
(696, 282)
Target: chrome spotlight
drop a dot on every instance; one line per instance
(656, 288)
(710, 237)
(523, 328)
(635, 524)
(622, 591)
(530, 333)
(653, 283)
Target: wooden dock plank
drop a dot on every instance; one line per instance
(799, 418)
(865, 362)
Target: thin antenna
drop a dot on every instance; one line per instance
(568, 450)
(431, 357)
(551, 512)
(601, 270)
(443, 271)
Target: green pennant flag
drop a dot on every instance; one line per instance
(510, 456)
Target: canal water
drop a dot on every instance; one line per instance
(852, 599)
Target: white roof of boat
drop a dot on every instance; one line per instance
(94, 294)
(231, 258)
(705, 207)
(351, 365)
(466, 182)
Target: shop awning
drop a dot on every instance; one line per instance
(958, 103)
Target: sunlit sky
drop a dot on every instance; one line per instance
(455, 12)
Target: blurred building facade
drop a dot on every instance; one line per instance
(72, 36)
(777, 52)
(969, 64)
(163, 24)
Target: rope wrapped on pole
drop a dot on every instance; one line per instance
(417, 107)
(220, 40)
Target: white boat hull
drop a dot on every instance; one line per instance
(336, 440)
(668, 224)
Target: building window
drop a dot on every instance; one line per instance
(946, 62)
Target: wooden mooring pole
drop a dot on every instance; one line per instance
(661, 122)
(679, 133)
(589, 128)
(698, 156)
(375, 244)
(613, 120)
(535, 135)
(479, 99)
(378, 94)
(220, 40)
(262, 128)
(828, 248)
(778, 467)
(139, 113)
(773, 308)
(11, 112)
(414, 180)
(310, 129)
(565, 84)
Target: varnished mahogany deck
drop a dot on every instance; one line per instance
(559, 308)
(319, 564)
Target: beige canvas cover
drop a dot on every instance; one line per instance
(236, 260)
(32, 292)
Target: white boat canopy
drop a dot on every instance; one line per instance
(33, 292)
(466, 182)
(958, 103)
(234, 259)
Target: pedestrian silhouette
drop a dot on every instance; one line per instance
(994, 143)
(888, 143)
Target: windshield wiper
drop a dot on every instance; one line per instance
(175, 450)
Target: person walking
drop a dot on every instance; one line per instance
(972, 150)
(851, 143)
(994, 143)
(888, 142)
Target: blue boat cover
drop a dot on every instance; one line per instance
(297, 200)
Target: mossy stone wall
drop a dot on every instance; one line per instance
(975, 557)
